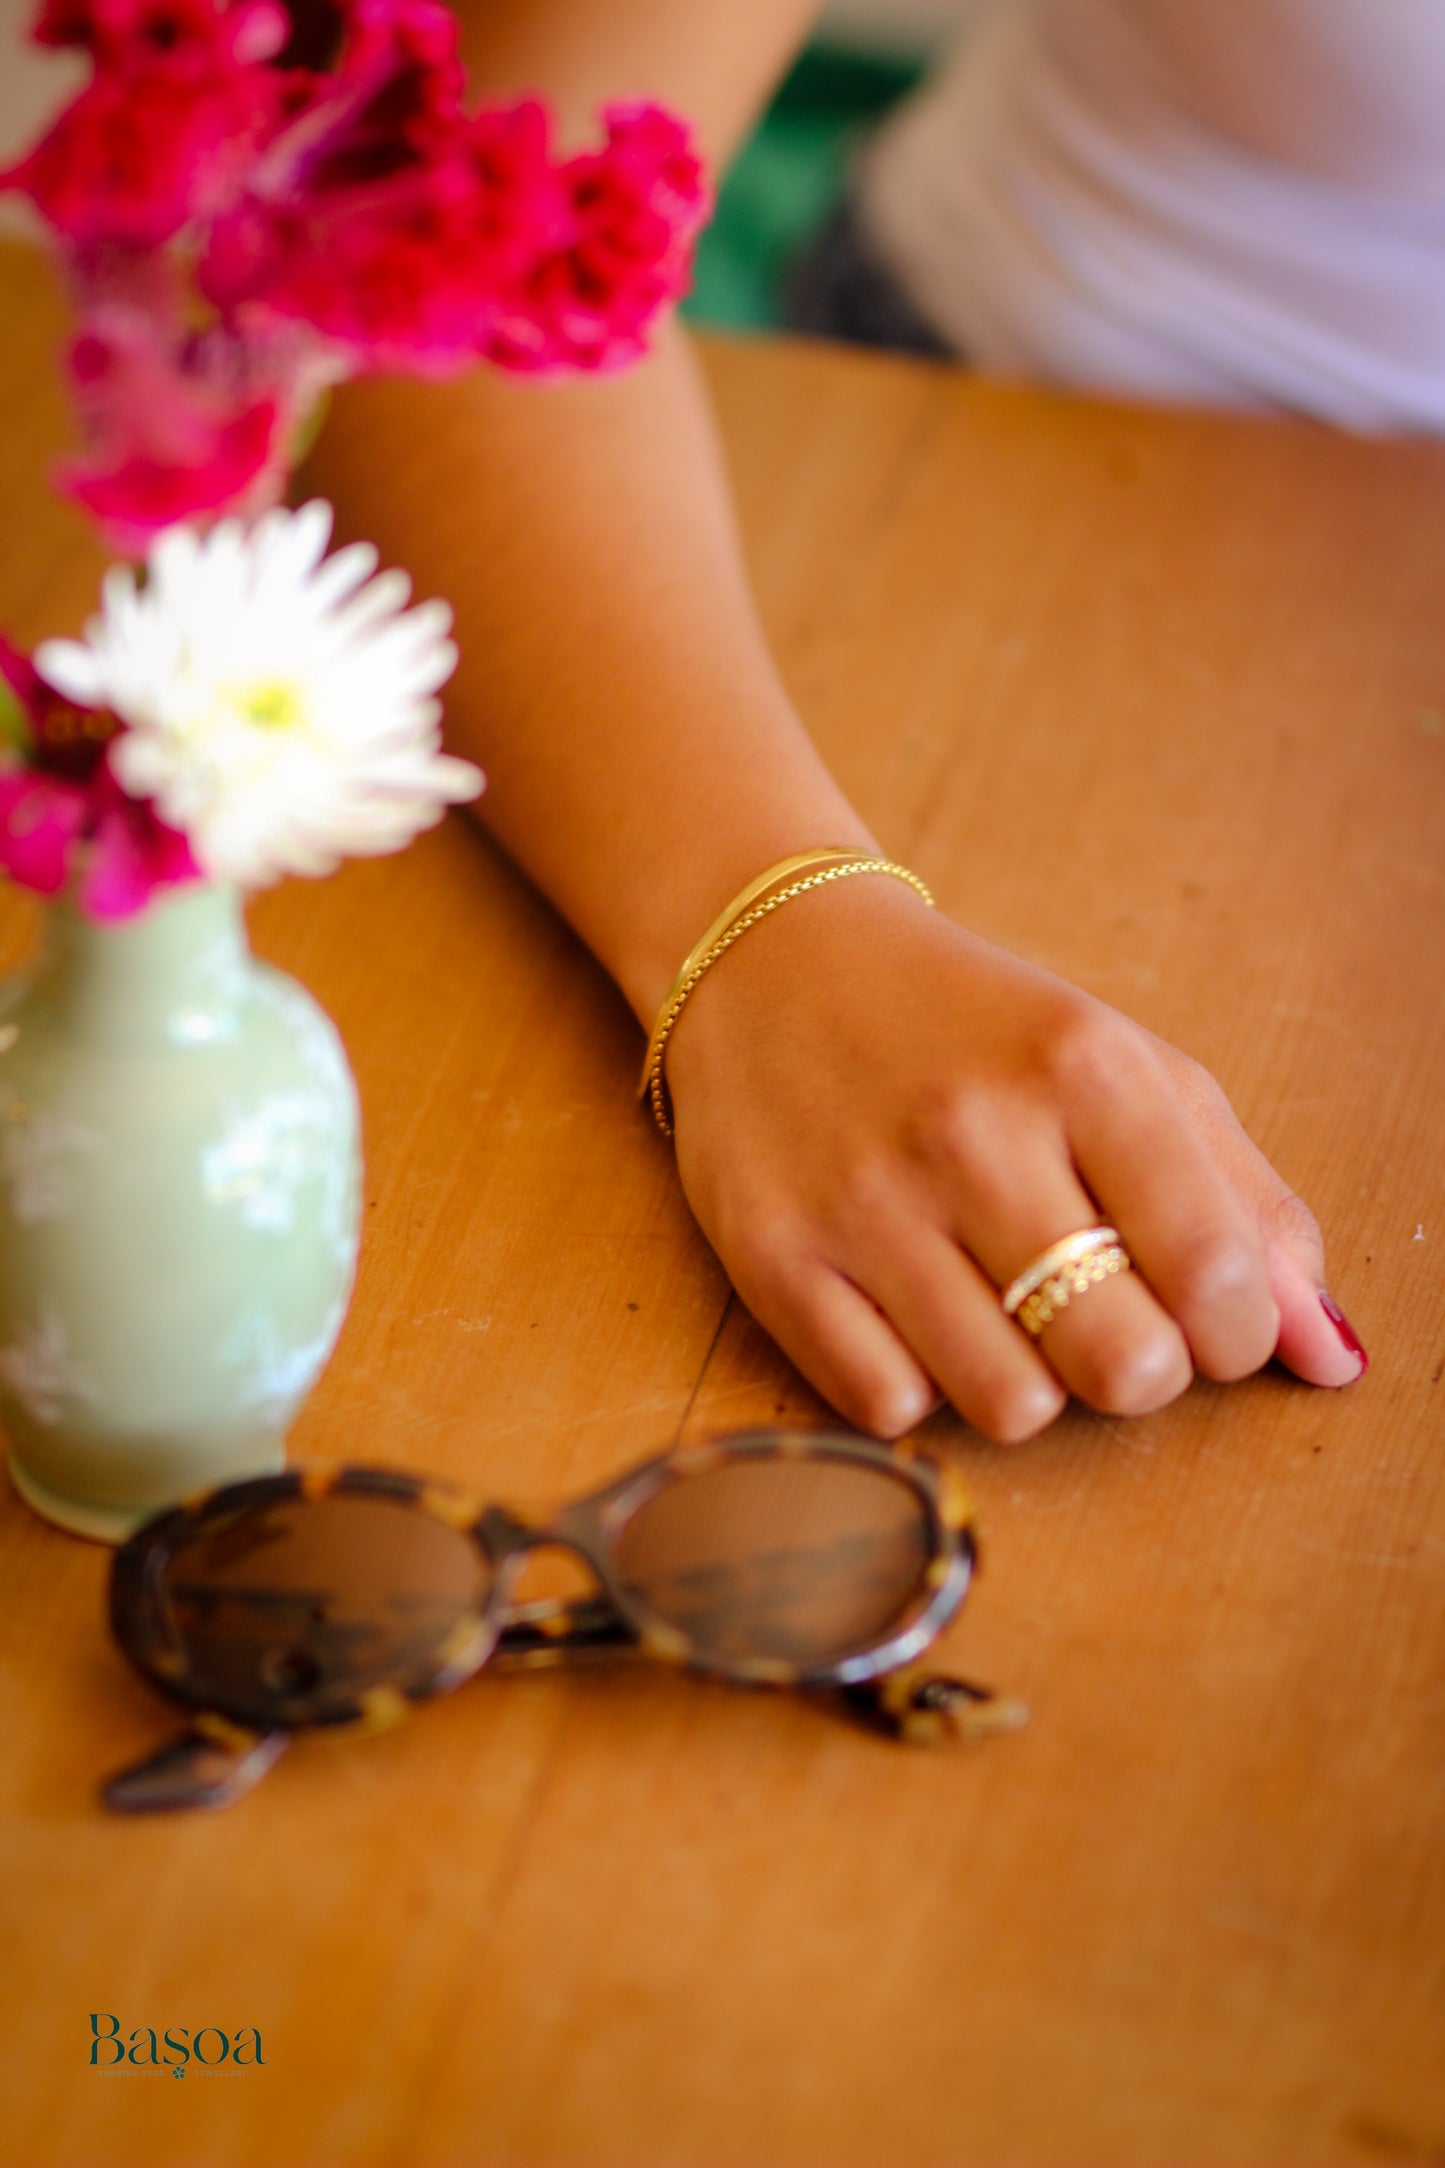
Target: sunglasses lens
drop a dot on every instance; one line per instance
(286, 1611)
(796, 1559)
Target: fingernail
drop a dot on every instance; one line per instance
(1345, 1330)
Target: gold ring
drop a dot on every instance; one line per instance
(1067, 1268)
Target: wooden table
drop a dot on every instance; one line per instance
(1157, 700)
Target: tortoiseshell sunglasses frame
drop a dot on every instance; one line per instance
(243, 1737)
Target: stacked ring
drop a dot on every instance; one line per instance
(1067, 1268)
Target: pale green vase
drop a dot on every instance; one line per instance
(179, 1201)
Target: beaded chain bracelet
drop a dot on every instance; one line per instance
(833, 863)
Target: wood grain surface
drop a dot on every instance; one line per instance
(1157, 700)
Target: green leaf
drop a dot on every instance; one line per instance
(14, 722)
(308, 429)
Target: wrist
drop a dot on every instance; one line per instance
(705, 870)
(791, 968)
(800, 874)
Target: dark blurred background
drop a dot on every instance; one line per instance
(790, 176)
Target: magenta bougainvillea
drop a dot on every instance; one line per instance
(252, 202)
(63, 816)
(242, 226)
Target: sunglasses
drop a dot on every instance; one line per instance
(339, 1596)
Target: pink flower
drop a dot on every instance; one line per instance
(179, 464)
(246, 220)
(405, 269)
(381, 217)
(178, 107)
(131, 854)
(395, 96)
(127, 30)
(486, 247)
(41, 820)
(63, 813)
(634, 210)
(176, 421)
(49, 828)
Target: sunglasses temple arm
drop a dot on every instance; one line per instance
(926, 1708)
(915, 1706)
(214, 1763)
(211, 1764)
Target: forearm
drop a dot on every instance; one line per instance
(643, 759)
(935, 1113)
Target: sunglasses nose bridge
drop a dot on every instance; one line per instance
(511, 1541)
(505, 1533)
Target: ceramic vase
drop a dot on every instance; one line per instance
(179, 1200)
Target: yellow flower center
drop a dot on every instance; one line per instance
(270, 706)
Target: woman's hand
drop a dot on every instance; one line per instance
(881, 1119)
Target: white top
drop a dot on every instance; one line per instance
(1232, 202)
(1235, 202)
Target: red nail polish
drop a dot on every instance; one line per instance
(1345, 1330)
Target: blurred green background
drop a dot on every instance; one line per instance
(789, 176)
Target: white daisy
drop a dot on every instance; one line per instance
(280, 709)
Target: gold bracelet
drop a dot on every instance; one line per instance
(830, 864)
(698, 955)
(827, 854)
